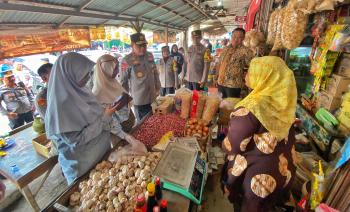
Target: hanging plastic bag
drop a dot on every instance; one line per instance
(271, 35)
(293, 28)
(278, 41)
(325, 5)
(253, 39)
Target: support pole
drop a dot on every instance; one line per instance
(166, 36)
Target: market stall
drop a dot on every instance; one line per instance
(317, 49)
(173, 135)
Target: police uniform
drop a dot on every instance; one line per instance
(167, 75)
(196, 65)
(17, 100)
(140, 77)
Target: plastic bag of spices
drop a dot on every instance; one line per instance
(278, 41)
(293, 27)
(183, 102)
(211, 108)
(271, 35)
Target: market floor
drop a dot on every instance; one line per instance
(213, 198)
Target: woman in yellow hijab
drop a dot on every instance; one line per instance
(260, 163)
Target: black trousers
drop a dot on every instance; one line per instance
(142, 110)
(21, 119)
(193, 86)
(229, 92)
(166, 91)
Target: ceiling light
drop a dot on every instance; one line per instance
(219, 3)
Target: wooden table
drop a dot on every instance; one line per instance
(31, 165)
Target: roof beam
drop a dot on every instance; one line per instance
(168, 9)
(168, 13)
(85, 4)
(80, 8)
(154, 8)
(197, 7)
(129, 7)
(63, 22)
(183, 12)
(50, 9)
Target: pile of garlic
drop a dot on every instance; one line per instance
(114, 186)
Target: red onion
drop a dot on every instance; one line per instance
(154, 127)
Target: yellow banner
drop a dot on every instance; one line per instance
(97, 33)
(36, 42)
(159, 37)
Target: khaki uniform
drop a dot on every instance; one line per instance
(196, 67)
(140, 77)
(167, 73)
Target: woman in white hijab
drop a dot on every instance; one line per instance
(74, 118)
(107, 89)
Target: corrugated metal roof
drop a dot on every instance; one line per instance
(63, 2)
(158, 13)
(113, 22)
(83, 20)
(114, 6)
(139, 8)
(27, 17)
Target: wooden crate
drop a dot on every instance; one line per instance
(42, 145)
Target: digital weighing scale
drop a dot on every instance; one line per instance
(181, 170)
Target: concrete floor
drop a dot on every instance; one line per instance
(213, 198)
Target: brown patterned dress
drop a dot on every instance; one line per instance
(259, 168)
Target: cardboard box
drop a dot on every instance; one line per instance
(343, 68)
(42, 145)
(328, 101)
(338, 85)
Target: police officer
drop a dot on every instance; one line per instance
(19, 102)
(196, 66)
(167, 68)
(139, 76)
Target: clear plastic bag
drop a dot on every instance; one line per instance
(278, 40)
(271, 35)
(211, 108)
(293, 27)
(325, 5)
(127, 150)
(253, 39)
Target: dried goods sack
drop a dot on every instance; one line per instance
(326, 5)
(183, 102)
(293, 28)
(271, 35)
(278, 41)
(185, 105)
(211, 107)
(253, 39)
(298, 4)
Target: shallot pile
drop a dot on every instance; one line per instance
(153, 128)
